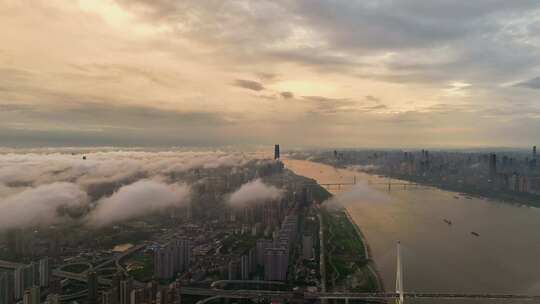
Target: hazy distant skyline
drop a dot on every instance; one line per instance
(306, 73)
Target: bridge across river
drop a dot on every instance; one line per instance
(350, 295)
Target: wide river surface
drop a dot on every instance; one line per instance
(438, 257)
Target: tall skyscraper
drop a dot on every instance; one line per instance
(92, 287)
(151, 291)
(137, 296)
(55, 286)
(163, 263)
(534, 152)
(276, 152)
(492, 165)
(307, 247)
(35, 274)
(108, 297)
(182, 252)
(23, 279)
(275, 264)
(117, 278)
(125, 291)
(171, 259)
(6, 294)
(32, 295)
(245, 267)
(27, 297)
(233, 270)
(260, 250)
(44, 272)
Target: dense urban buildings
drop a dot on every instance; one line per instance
(508, 174)
(149, 259)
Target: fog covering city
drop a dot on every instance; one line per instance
(269, 151)
(107, 187)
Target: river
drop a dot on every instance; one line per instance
(438, 257)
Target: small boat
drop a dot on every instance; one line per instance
(468, 197)
(456, 197)
(475, 233)
(449, 222)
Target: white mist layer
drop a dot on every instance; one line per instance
(138, 199)
(252, 192)
(359, 194)
(39, 206)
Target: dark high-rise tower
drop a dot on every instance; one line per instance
(492, 165)
(534, 152)
(92, 287)
(276, 152)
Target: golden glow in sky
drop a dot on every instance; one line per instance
(305, 73)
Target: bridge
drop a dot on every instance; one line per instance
(399, 295)
(383, 296)
(396, 185)
(80, 277)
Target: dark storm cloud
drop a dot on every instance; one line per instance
(249, 84)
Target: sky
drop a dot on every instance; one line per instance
(304, 73)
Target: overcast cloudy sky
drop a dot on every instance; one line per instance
(311, 73)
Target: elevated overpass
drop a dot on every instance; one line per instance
(10, 265)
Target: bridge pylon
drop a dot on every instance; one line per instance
(399, 277)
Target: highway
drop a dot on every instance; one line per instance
(9, 265)
(117, 258)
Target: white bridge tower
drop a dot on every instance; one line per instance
(399, 276)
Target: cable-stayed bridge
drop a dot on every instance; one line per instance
(400, 295)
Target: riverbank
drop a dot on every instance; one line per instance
(347, 259)
(516, 198)
(367, 249)
(439, 257)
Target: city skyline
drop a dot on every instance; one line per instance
(325, 74)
